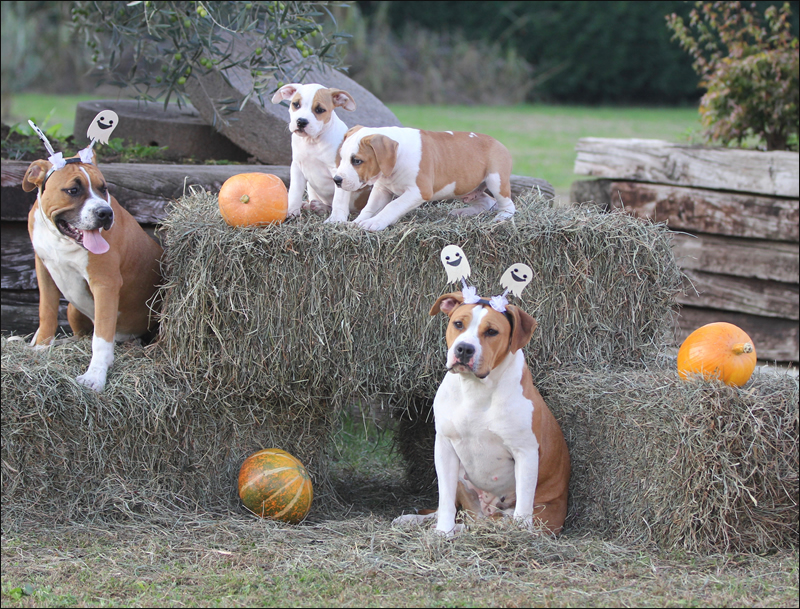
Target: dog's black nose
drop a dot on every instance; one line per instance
(464, 352)
(104, 215)
(302, 123)
(337, 180)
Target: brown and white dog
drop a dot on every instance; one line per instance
(93, 252)
(317, 134)
(418, 166)
(498, 449)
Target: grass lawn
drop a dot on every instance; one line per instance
(541, 138)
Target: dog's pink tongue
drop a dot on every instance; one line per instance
(93, 242)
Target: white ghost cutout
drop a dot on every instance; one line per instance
(102, 125)
(455, 263)
(516, 278)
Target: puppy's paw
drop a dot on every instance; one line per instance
(412, 519)
(371, 224)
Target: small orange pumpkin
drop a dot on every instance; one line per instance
(274, 484)
(253, 199)
(718, 350)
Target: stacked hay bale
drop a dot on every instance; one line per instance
(268, 333)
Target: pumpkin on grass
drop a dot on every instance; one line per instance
(253, 199)
(718, 350)
(274, 484)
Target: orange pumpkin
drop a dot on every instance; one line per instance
(718, 350)
(253, 199)
(274, 484)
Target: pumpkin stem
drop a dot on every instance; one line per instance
(245, 199)
(740, 348)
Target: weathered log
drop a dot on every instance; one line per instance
(773, 173)
(698, 210)
(144, 189)
(754, 258)
(753, 296)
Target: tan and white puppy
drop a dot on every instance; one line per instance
(416, 166)
(498, 449)
(94, 252)
(317, 134)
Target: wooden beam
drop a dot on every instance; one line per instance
(698, 210)
(768, 173)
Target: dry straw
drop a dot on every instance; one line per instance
(268, 333)
(693, 465)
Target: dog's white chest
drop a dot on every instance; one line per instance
(486, 424)
(66, 261)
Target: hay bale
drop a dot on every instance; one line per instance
(307, 309)
(151, 442)
(693, 465)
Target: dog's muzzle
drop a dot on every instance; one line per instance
(464, 352)
(301, 123)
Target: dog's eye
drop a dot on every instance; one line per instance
(295, 105)
(492, 332)
(103, 189)
(319, 110)
(355, 161)
(72, 191)
(458, 325)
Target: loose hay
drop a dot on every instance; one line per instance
(328, 315)
(150, 442)
(695, 465)
(267, 333)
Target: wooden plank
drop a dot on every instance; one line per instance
(774, 339)
(773, 173)
(20, 312)
(755, 258)
(145, 189)
(753, 296)
(698, 210)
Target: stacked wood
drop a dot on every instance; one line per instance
(737, 220)
(145, 190)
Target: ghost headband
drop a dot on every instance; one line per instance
(57, 160)
(515, 279)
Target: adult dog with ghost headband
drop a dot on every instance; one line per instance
(498, 449)
(94, 252)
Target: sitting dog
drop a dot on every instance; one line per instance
(498, 449)
(93, 252)
(317, 134)
(418, 166)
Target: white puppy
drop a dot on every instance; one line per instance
(317, 134)
(418, 166)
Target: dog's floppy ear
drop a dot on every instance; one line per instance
(343, 99)
(524, 325)
(35, 175)
(385, 151)
(447, 303)
(285, 92)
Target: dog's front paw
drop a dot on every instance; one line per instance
(503, 215)
(371, 224)
(334, 219)
(93, 379)
(412, 519)
(456, 530)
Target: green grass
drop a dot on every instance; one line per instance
(541, 138)
(47, 111)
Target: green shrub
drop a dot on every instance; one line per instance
(750, 72)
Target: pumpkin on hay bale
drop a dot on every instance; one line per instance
(253, 199)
